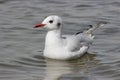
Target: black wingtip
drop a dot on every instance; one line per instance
(78, 32)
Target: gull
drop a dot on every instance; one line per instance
(65, 47)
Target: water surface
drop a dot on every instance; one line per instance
(21, 46)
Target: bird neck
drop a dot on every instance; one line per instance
(53, 37)
(54, 33)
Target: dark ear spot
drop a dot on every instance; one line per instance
(58, 24)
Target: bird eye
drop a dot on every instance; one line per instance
(58, 24)
(51, 21)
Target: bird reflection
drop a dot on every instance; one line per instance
(56, 69)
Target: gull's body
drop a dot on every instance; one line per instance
(62, 47)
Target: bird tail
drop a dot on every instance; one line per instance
(94, 27)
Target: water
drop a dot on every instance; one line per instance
(21, 46)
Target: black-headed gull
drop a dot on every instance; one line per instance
(58, 46)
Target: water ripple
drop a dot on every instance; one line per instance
(21, 46)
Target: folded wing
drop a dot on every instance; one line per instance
(76, 41)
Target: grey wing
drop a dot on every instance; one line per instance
(75, 42)
(85, 39)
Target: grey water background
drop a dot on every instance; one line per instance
(21, 46)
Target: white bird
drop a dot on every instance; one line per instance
(58, 46)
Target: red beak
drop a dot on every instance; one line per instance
(39, 25)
